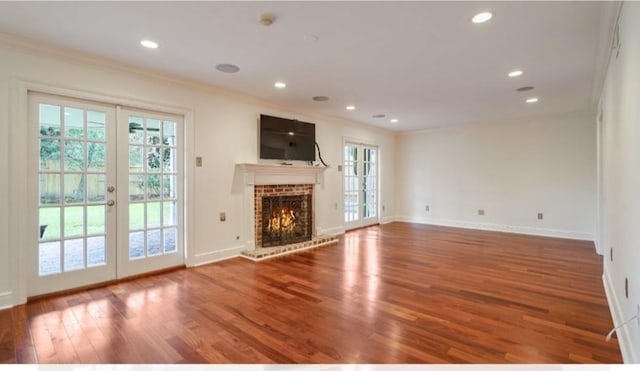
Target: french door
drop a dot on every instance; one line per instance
(149, 176)
(107, 191)
(360, 185)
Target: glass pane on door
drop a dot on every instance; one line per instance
(351, 189)
(72, 192)
(152, 178)
(370, 183)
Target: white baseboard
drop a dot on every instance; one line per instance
(388, 219)
(501, 228)
(624, 338)
(334, 231)
(218, 255)
(6, 300)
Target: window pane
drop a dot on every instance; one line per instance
(169, 186)
(50, 223)
(73, 123)
(153, 187)
(153, 131)
(74, 221)
(170, 240)
(73, 188)
(154, 161)
(49, 154)
(136, 158)
(169, 213)
(169, 133)
(169, 160)
(96, 122)
(136, 187)
(96, 187)
(74, 254)
(136, 130)
(96, 251)
(136, 216)
(96, 219)
(73, 156)
(136, 245)
(154, 243)
(153, 214)
(48, 258)
(96, 157)
(49, 189)
(49, 120)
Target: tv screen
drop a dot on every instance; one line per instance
(284, 139)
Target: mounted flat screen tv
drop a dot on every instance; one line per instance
(285, 139)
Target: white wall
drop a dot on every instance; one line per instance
(512, 170)
(224, 133)
(620, 180)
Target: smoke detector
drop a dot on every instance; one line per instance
(267, 19)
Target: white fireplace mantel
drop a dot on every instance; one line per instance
(268, 174)
(272, 174)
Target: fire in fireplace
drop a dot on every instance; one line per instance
(286, 220)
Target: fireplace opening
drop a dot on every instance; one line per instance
(286, 220)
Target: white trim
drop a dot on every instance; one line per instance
(500, 228)
(218, 255)
(6, 300)
(388, 219)
(624, 338)
(331, 231)
(269, 174)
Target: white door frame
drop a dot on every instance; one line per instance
(361, 222)
(21, 155)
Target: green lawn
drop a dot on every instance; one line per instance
(74, 218)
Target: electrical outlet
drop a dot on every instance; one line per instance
(223, 216)
(382, 208)
(426, 208)
(335, 206)
(540, 216)
(480, 211)
(198, 161)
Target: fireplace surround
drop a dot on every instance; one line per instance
(280, 181)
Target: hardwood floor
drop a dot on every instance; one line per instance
(396, 293)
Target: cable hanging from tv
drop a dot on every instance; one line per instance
(320, 155)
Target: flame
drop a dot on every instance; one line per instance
(283, 220)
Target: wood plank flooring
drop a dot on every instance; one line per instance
(397, 293)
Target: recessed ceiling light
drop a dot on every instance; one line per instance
(149, 44)
(320, 98)
(515, 73)
(393, 121)
(350, 108)
(280, 85)
(482, 17)
(378, 116)
(532, 100)
(227, 68)
(525, 88)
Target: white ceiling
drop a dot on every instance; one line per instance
(424, 63)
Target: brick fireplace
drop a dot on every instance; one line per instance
(283, 214)
(280, 209)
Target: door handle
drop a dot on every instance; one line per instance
(110, 189)
(111, 203)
